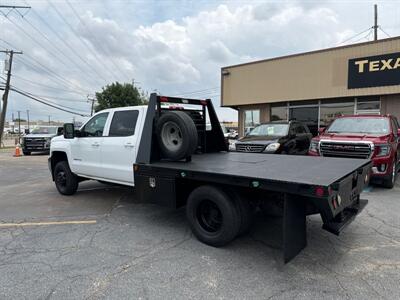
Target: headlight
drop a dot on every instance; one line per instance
(314, 146)
(383, 150)
(272, 147)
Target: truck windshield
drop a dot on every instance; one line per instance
(360, 125)
(270, 129)
(44, 130)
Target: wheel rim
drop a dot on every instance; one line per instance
(209, 216)
(61, 178)
(171, 136)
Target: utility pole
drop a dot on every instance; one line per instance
(27, 117)
(92, 99)
(6, 89)
(49, 119)
(19, 127)
(375, 22)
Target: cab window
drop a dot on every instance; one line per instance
(123, 123)
(95, 126)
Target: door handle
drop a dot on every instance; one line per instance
(95, 144)
(129, 145)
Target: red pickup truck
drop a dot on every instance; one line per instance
(363, 136)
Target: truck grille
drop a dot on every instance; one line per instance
(343, 149)
(249, 148)
(34, 143)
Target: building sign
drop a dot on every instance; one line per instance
(372, 71)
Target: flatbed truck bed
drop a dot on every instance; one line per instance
(305, 185)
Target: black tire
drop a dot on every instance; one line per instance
(26, 152)
(66, 181)
(176, 135)
(212, 216)
(390, 181)
(244, 210)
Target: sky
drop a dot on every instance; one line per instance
(71, 49)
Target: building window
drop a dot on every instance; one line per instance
(330, 110)
(251, 119)
(368, 105)
(279, 112)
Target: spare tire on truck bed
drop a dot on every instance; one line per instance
(177, 135)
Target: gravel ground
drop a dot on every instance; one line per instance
(132, 250)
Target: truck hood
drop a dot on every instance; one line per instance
(39, 135)
(57, 138)
(354, 137)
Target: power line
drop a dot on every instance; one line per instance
(65, 81)
(47, 86)
(195, 92)
(61, 79)
(55, 47)
(48, 104)
(84, 43)
(41, 98)
(381, 29)
(356, 35)
(94, 36)
(364, 37)
(66, 44)
(80, 39)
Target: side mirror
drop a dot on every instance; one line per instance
(321, 130)
(69, 131)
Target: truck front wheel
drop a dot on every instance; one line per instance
(66, 181)
(390, 181)
(212, 215)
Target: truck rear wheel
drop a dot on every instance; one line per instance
(244, 210)
(66, 181)
(177, 135)
(212, 215)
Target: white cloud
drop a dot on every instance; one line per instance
(184, 49)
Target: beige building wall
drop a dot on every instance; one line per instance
(390, 104)
(313, 75)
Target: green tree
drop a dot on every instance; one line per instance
(119, 95)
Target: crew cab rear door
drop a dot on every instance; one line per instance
(120, 143)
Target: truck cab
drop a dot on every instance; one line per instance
(105, 147)
(374, 137)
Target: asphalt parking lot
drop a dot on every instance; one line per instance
(103, 243)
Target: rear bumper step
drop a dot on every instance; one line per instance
(346, 217)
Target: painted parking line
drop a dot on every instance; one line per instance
(4, 225)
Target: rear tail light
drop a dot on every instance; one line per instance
(319, 191)
(163, 99)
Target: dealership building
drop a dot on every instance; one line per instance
(315, 87)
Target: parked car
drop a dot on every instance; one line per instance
(284, 137)
(374, 137)
(38, 140)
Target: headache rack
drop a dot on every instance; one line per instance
(210, 139)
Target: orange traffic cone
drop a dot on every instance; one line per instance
(17, 151)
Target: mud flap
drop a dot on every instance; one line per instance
(294, 226)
